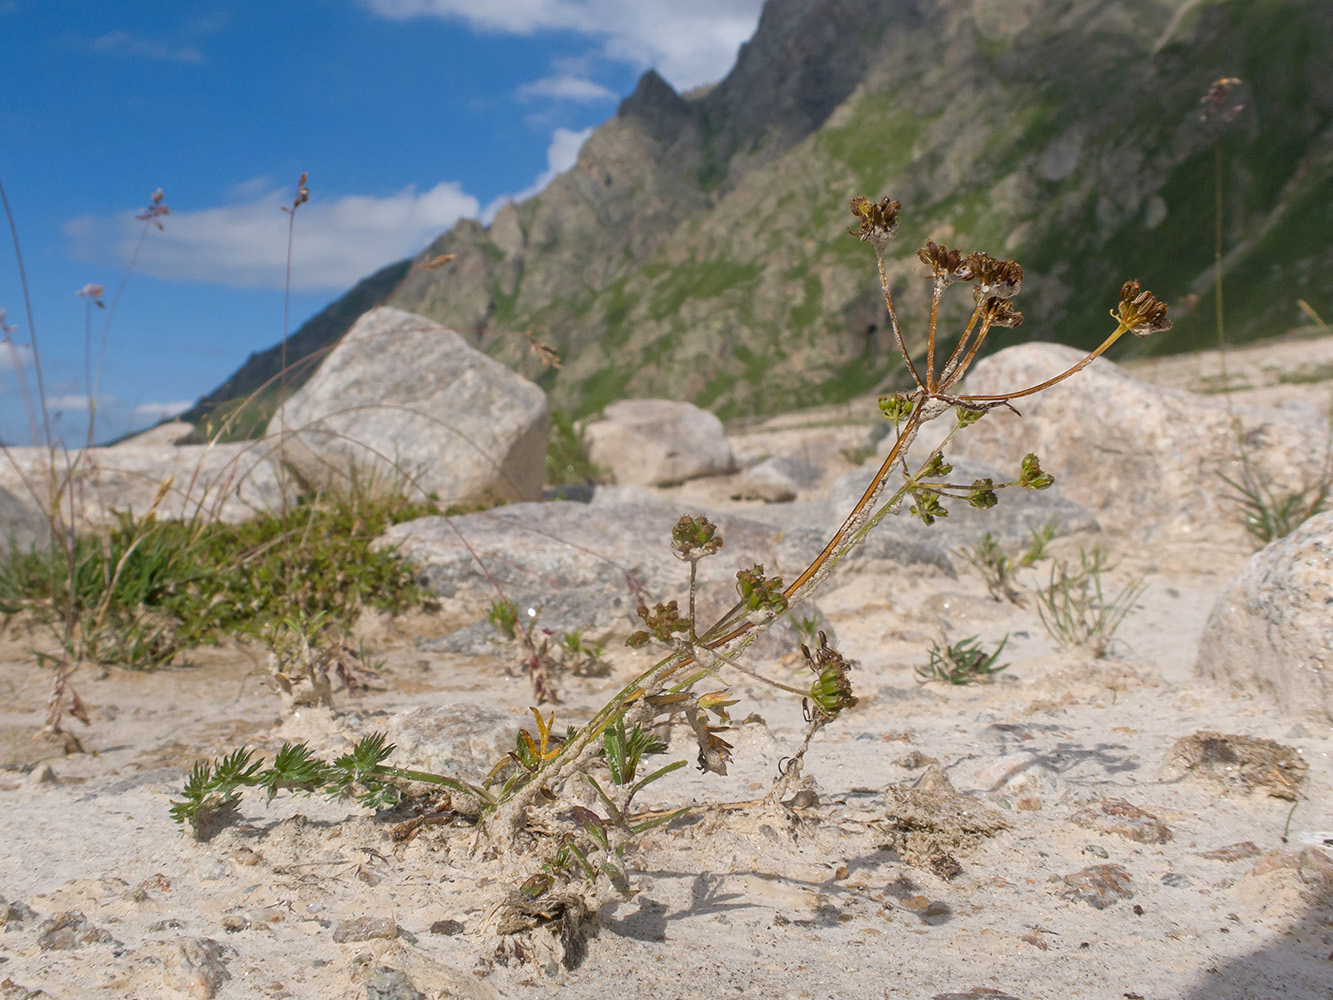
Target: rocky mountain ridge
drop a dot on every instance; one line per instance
(697, 248)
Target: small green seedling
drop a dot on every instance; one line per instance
(962, 662)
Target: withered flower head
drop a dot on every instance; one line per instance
(155, 210)
(1216, 97)
(879, 220)
(945, 264)
(1003, 313)
(993, 278)
(91, 291)
(1141, 311)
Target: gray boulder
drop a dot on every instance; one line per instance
(777, 479)
(552, 547)
(1145, 460)
(659, 442)
(1272, 628)
(228, 482)
(404, 399)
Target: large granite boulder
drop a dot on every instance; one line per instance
(659, 442)
(1272, 628)
(404, 399)
(228, 482)
(1147, 461)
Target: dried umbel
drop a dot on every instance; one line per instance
(1213, 103)
(879, 221)
(1140, 312)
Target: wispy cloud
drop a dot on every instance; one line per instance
(566, 88)
(688, 41)
(123, 43)
(74, 401)
(338, 241)
(158, 411)
(561, 154)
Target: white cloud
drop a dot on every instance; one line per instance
(158, 412)
(122, 43)
(688, 41)
(561, 154)
(337, 242)
(74, 401)
(565, 88)
(13, 353)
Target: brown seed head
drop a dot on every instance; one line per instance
(1141, 311)
(1212, 102)
(879, 220)
(945, 264)
(1003, 313)
(993, 278)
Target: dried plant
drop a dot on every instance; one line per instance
(570, 857)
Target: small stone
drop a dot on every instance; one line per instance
(1232, 852)
(170, 924)
(1120, 817)
(42, 774)
(1175, 880)
(1099, 885)
(69, 930)
(915, 759)
(976, 993)
(447, 927)
(1097, 850)
(365, 929)
(384, 983)
(196, 966)
(14, 914)
(244, 856)
(10, 990)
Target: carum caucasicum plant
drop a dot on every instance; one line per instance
(569, 857)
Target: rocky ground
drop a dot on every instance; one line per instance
(1064, 831)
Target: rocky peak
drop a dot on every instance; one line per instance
(803, 61)
(657, 106)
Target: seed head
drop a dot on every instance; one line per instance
(155, 210)
(1003, 313)
(1140, 311)
(945, 265)
(1212, 102)
(879, 221)
(993, 278)
(91, 291)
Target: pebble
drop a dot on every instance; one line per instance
(14, 913)
(1121, 817)
(448, 927)
(365, 929)
(384, 983)
(196, 966)
(69, 930)
(976, 993)
(1175, 880)
(1232, 852)
(1098, 885)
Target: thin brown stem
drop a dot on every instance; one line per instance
(893, 320)
(1004, 397)
(936, 292)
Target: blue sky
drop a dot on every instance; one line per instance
(407, 114)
